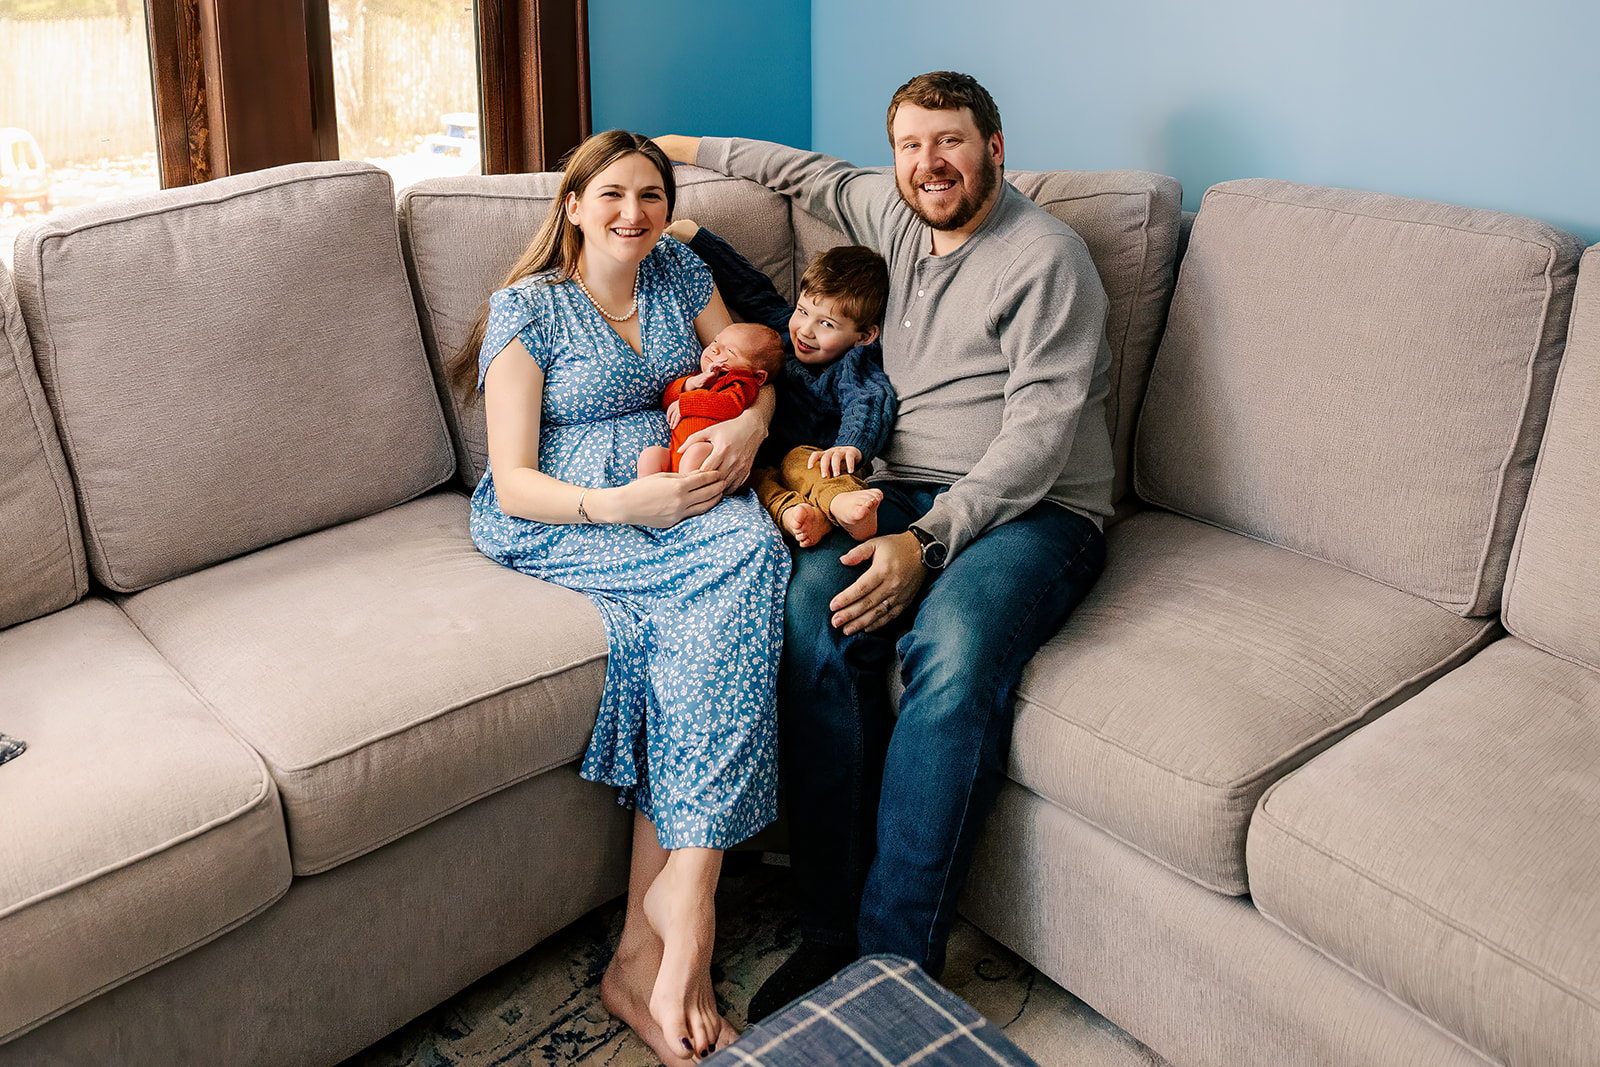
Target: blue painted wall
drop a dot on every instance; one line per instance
(702, 66)
(1485, 103)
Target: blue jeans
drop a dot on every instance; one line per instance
(884, 812)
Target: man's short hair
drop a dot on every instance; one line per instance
(855, 278)
(947, 90)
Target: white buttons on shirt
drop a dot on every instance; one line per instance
(919, 292)
(908, 324)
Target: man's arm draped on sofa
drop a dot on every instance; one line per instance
(1046, 310)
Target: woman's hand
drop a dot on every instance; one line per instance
(733, 446)
(658, 500)
(832, 462)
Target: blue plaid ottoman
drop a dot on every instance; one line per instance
(879, 1011)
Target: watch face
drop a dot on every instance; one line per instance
(933, 555)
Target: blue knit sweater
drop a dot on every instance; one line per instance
(847, 402)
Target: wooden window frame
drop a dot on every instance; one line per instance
(239, 85)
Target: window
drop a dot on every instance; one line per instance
(405, 76)
(75, 107)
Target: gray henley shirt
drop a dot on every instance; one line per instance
(997, 350)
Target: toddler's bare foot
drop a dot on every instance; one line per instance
(807, 524)
(625, 992)
(682, 1002)
(857, 512)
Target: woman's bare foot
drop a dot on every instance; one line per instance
(682, 1003)
(625, 992)
(807, 524)
(857, 512)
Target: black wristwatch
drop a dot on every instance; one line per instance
(934, 553)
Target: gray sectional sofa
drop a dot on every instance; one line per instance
(1311, 778)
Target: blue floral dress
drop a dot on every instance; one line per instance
(694, 613)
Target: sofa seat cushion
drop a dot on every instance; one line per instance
(387, 672)
(1448, 853)
(134, 828)
(1201, 667)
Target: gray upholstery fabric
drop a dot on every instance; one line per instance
(135, 828)
(350, 955)
(1448, 853)
(1129, 220)
(231, 364)
(386, 671)
(1361, 378)
(1201, 978)
(42, 565)
(1201, 667)
(1553, 593)
(463, 235)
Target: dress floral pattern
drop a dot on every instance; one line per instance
(693, 613)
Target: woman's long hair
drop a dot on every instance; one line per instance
(556, 246)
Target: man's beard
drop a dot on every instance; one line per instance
(971, 202)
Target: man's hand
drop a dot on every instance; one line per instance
(832, 462)
(893, 579)
(679, 149)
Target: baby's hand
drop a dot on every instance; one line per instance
(840, 459)
(672, 414)
(683, 230)
(701, 380)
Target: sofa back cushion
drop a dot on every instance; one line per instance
(1553, 591)
(231, 364)
(462, 236)
(1361, 378)
(41, 550)
(1129, 220)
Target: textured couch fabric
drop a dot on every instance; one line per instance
(1455, 837)
(1553, 592)
(42, 565)
(386, 670)
(135, 828)
(1201, 667)
(1361, 378)
(266, 380)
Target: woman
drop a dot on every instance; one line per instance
(572, 358)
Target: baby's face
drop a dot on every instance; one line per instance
(731, 349)
(820, 334)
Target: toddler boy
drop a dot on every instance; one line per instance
(833, 393)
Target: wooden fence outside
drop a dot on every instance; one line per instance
(82, 86)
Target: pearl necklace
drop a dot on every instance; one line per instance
(632, 308)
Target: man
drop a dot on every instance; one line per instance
(995, 478)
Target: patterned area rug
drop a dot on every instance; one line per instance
(543, 1008)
